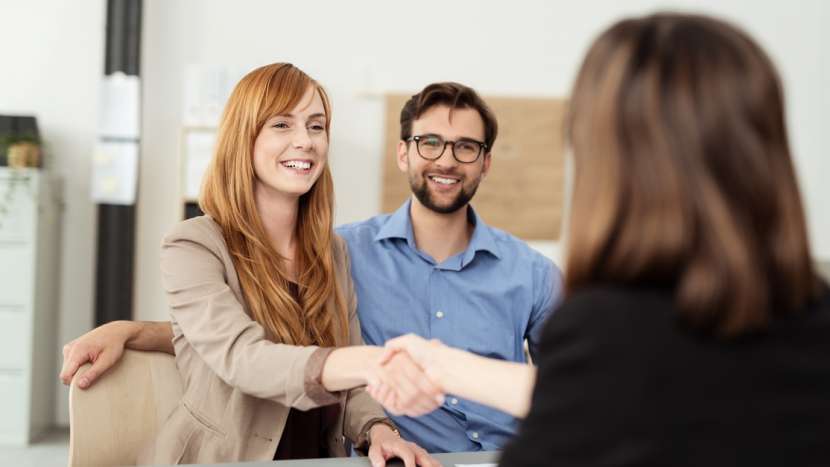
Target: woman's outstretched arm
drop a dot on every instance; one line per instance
(506, 386)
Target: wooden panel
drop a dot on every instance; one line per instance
(524, 192)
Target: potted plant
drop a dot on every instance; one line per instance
(19, 142)
(20, 149)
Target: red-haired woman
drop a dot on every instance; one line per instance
(262, 308)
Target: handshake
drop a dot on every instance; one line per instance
(411, 376)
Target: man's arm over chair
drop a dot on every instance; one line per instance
(104, 346)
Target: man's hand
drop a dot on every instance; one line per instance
(103, 346)
(384, 444)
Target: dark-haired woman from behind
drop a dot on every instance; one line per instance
(696, 331)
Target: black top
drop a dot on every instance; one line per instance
(623, 382)
(304, 435)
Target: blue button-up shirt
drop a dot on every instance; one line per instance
(487, 300)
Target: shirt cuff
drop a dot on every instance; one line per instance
(314, 378)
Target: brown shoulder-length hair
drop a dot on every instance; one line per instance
(228, 197)
(683, 174)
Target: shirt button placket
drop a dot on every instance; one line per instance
(433, 303)
(438, 326)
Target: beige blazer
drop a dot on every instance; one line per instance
(238, 385)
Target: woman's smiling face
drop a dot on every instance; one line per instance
(291, 149)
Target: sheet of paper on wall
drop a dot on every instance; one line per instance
(115, 172)
(198, 152)
(119, 108)
(206, 89)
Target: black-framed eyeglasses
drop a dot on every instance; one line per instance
(431, 147)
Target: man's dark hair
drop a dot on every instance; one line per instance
(454, 96)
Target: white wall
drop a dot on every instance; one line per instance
(52, 54)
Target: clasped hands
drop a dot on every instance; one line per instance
(409, 377)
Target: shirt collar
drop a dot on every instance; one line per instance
(399, 225)
(482, 239)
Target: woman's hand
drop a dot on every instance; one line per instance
(400, 387)
(428, 354)
(504, 385)
(385, 444)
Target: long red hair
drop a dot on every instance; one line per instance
(319, 314)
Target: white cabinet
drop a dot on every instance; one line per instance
(29, 260)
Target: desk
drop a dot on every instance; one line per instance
(448, 460)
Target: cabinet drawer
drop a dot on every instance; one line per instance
(19, 202)
(16, 274)
(14, 426)
(15, 331)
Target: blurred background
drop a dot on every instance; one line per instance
(191, 54)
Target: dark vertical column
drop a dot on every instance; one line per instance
(116, 222)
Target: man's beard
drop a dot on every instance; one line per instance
(421, 191)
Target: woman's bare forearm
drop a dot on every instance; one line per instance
(349, 367)
(506, 386)
(150, 335)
